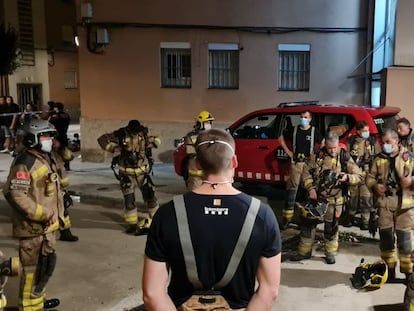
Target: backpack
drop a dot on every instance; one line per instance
(210, 299)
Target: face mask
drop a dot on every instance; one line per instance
(365, 135)
(46, 145)
(388, 148)
(207, 126)
(304, 122)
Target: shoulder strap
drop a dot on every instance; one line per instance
(187, 247)
(312, 140)
(295, 131)
(185, 240)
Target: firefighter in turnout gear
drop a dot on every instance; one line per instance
(362, 148)
(132, 144)
(391, 180)
(193, 175)
(405, 134)
(303, 138)
(325, 179)
(34, 192)
(64, 155)
(8, 267)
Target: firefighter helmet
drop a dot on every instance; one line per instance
(204, 116)
(31, 131)
(370, 275)
(313, 210)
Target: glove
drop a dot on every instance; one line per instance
(373, 223)
(67, 200)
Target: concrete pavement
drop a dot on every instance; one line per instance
(110, 276)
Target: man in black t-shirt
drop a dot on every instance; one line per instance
(216, 216)
(303, 138)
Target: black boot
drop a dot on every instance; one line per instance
(51, 303)
(299, 257)
(330, 259)
(141, 231)
(66, 235)
(131, 229)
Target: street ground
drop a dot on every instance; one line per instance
(102, 271)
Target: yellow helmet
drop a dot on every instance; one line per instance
(370, 275)
(204, 116)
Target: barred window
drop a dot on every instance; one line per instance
(175, 65)
(294, 67)
(26, 32)
(223, 66)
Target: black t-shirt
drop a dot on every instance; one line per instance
(214, 236)
(13, 108)
(303, 139)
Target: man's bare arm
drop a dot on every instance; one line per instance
(268, 277)
(154, 282)
(284, 146)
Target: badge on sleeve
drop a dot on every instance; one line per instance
(405, 156)
(22, 175)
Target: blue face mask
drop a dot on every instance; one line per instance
(365, 135)
(304, 122)
(388, 148)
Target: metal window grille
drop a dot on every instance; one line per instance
(26, 32)
(223, 69)
(294, 69)
(70, 79)
(176, 68)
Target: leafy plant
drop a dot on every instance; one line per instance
(8, 51)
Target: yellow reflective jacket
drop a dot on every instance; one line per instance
(34, 192)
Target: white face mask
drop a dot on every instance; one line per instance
(46, 145)
(365, 135)
(207, 126)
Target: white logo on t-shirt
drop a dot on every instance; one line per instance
(216, 210)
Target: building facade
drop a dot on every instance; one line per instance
(164, 61)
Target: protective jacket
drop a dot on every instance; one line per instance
(363, 150)
(189, 141)
(384, 171)
(323, 174)
(408, 141)
(135, 148)
(34, 191)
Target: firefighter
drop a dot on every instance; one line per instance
(303, 138)
(324, 179)
(194, 176)
(362, 148)
(132, 144)
(390, 179)
(63, 155)
(35, 195)
(409, 291)
(8, 267)
(405, 134)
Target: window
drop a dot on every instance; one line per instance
(175, 65)
(70, 79)
(294, 67)
(223, 66)
(26, 32)
(258, 127)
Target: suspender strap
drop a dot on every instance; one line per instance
(241, 243)
(312, 140)
(185, 240)
(186, 244)
(295, 131)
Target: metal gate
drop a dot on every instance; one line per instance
(29, 93)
